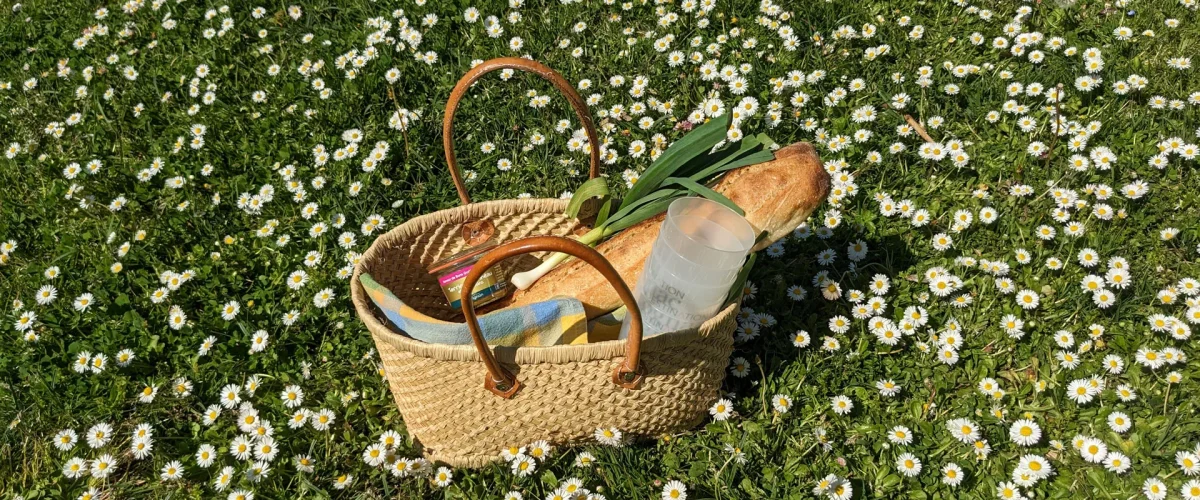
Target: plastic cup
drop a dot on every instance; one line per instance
(683, 270)
(706, 233)
(656, 320)
(660, 281)
(697, 256)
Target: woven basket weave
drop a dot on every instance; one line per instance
(566, 392)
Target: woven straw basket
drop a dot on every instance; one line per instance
(464, 403)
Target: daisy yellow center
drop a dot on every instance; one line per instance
(1025, 431)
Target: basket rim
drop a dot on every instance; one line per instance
(557, 354)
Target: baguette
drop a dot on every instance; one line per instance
(777, 196)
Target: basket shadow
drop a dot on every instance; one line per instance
(887, 255)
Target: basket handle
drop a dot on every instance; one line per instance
(505, 384)
(537, 68)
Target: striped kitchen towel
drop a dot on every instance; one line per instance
(560, 320)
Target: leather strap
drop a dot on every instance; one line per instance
(536, 68)
(505, 384)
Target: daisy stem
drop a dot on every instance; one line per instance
(1166, 399)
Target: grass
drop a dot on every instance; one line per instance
(329, 355)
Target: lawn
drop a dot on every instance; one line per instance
(1003, 313)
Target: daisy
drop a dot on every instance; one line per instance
(1008, 491)
(801, 339)
(391, 439)
(887, 388)
(963, 429)
(205, 455)
(75, 468)
(1025, 432)
(46, 294)
(65, 439)
(241, 448)
(103, 466)
(292, 396)
(1190, 490)
(1188, 462)
(721, 410)
(1154, 489)
(172, 471)
(222, 481)
(841, 405)
(610, 436)
(322, 419)
(83, 301)
(674, 490)
(782, 403)
(443, 477)
(523, 466)
(1117, 462)
(1036, 465)
(1080, 392)
(1027, 299)
(540, 450)
(99, 435)
(952, 475)
(584, 459)
(908, 464)
(265, 449)
(375, 455)
(1119, 422)
(1093, 450)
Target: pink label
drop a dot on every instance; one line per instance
(455, 276)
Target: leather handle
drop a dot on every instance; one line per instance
(505, 384)
(539, 69)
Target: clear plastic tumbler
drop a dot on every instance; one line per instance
(698, 254)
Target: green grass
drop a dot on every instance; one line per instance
(330, 356)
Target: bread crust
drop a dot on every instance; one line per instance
(776, 195)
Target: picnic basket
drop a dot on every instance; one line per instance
(462, 404)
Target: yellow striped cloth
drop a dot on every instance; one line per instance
(560, 320)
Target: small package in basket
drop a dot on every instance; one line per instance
(452, 271)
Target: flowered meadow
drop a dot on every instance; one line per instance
(996, 301)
